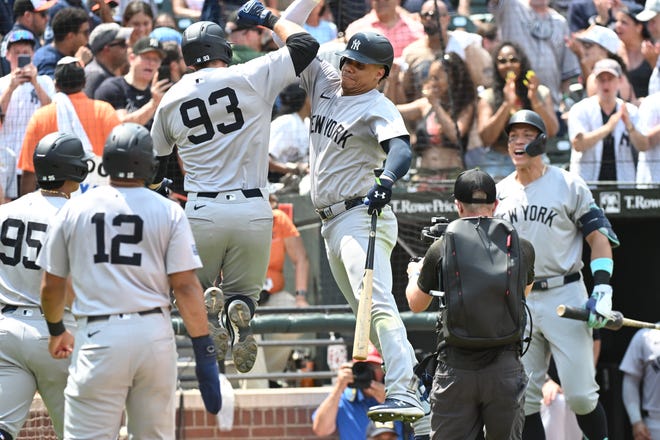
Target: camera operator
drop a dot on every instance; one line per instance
(359, 386)
(482, 385)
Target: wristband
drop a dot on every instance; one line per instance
(56, 328)
(605, 264)
(271, 20)
(301, 292)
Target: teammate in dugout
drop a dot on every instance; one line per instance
(555, 211)
(124, 354)
(354, 130)
(60, 164)
(473, 387)
(219, 117)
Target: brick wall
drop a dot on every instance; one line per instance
(274, 414)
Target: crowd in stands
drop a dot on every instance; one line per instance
(455, 80)
(589, 68)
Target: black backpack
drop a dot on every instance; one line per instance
(484, 282)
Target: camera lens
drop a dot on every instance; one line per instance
(363, 374)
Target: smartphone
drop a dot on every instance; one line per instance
(24, 60)
(164, 72)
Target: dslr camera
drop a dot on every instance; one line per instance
(363, 374)
(435, 231)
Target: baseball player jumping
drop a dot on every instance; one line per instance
(219, 117)
(354, 130)
(125, 246)
(60, 164)
(555, 210)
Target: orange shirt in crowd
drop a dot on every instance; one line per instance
(283, 228)
(98, 118)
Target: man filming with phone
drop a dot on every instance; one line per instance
(22, 92)
(136, 95)
(358, 386)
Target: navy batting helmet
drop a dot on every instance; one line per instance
(369, 48)
(129, 153)
(205, 41)
(59, 157)
(529, 117)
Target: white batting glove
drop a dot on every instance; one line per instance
(600, 306)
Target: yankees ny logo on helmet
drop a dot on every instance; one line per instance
(355, 45)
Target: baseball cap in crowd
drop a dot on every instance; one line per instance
(23, 6)
(69, 73)
(602, 36)
(470, 181)
(165, 34)
(377, 428)
(607, 65)
(651, 9)
(373, 355)
(148, 44)
(20, 35)
(106, 33)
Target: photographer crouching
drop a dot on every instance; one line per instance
(359, 385)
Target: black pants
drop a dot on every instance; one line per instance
(464, 401)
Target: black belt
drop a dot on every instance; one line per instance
(550, 283)
(8, 308)
(333, 210)
(247, 193)
(142, 313)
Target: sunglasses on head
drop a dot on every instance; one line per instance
(510, 60)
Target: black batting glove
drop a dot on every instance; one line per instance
(379, 195)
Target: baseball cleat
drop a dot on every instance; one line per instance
(395, 409)
(244, 348)
(214, 300)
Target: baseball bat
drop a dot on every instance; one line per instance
(363, 316)
(617, 321)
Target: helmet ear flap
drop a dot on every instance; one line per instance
(537, 146)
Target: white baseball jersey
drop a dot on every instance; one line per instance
(118, 244)
(23, 226)
(642, 360)
(648, 167)
(585, 116)
(345, 135)
(216, 118)
(546, 212)
(23, 103)
(289, 138)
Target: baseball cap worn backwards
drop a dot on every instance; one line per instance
(23, 6)
(106, 33)
(651, 9)
(607, 65)
(20, 35)
(148, 44)
(471, 181)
